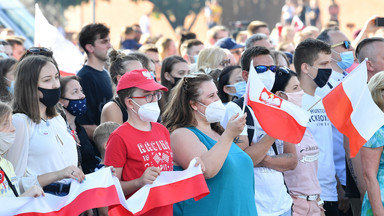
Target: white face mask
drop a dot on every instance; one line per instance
(6, 141)
(214, 112)
(268, 79)
(148, 112)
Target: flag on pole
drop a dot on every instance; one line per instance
(67, 55)
(279, 118)
(169, 188)
(351, 109)
(102, 189)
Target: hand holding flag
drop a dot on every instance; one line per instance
(279, 118)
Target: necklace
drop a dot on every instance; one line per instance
(46, 121)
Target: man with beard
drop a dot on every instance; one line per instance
(94, 79)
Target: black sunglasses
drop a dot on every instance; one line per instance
(282, 70)
(345, 43)
(40, 51)
(263, 68)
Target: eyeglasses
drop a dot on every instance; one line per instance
(346, 44)
(263, 68)
(149, 98)
(40, 51)
(225, 63)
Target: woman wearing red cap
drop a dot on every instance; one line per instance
(140, 148)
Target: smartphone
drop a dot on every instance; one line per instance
(379, 21)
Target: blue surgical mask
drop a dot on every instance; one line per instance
(76, 107)
(10, 88)
(240, 89)
(347, 60)
(195, 57)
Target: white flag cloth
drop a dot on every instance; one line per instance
(351, 109)
(102, 189)
(67, 55)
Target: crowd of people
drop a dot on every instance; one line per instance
(155, 104)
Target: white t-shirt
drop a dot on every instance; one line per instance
(41, 148)
(321, 129)
(338, 146)
(271, 195)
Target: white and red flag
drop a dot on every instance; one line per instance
(102, 189)
(279, 118)
(170, 187)
(351, 109)
(67, 55)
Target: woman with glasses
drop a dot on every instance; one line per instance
(302, 182)
(212, 58)
(140, 148)
(193, 117)
(372, 157)
(44, 153)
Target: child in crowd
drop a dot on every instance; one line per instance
(9, 183)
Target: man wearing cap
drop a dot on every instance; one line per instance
(231, 45)
(94, 79)
(140, 148)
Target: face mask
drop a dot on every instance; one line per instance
(214, 112)
(50, 96)
(195, 57)
(6, 141)
(11, 88)
(322, 76)
(295, 97)
(347, 60)
(268, 79)
(76, 107)
(240, 89)
(148, 112)
(176, 79)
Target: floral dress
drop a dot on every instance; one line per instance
(376, 141)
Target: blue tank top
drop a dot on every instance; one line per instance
(231, 190)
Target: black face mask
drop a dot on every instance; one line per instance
(50, 96)
(322, 77)
(177, 80)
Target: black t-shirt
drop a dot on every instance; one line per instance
(88, 151)
(97, 88)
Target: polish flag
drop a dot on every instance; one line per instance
(170, 187)
(278, 118)
(99, 190)
(102, 189)
(351, 109)
(67, 55)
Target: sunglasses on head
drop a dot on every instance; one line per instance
(282, 70)
(345, 43)
(263, 68)
(39, 51)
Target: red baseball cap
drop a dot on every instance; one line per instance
(141, 79)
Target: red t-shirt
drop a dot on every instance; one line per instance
(135, 150)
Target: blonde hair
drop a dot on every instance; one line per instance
(210, 58)
(376, 87)
(162, 45)
(102, 133)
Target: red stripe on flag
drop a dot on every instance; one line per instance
(64, 74)
(275, 122)
(93, 198)
(339, 108)
(169, 194)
